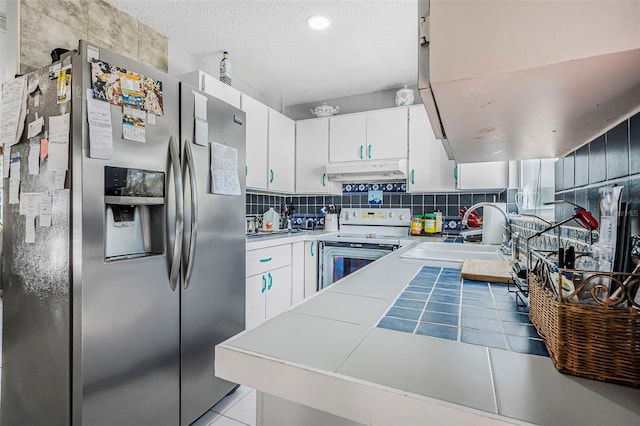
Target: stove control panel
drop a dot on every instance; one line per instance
(386, 217)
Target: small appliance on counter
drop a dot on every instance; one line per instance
(251, 226)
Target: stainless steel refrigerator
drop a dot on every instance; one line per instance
(112, 315)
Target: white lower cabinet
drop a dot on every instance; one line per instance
(267, 295)
(310, 268)
(268, 284)
(278, 278)
(297, 272)
(305, 271)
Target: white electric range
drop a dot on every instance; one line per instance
(364, 236)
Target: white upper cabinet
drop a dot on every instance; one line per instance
(374, 135)
(211, 85)
(281, 157)
(312, 155)
(257, 119)
(490, 175)
(347, 137)
(429, 167)
(387, 134)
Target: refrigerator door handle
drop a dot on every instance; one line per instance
(174, 274)
(194, 215)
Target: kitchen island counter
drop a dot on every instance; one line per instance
(328, 354)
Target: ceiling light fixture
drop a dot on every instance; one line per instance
(317, 22)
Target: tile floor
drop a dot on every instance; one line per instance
(439, 303)
(237, 409)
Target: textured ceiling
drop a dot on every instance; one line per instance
(370, 45)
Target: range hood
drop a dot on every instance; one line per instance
(367, 171)
(526, 79)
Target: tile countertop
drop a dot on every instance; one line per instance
(327, 353)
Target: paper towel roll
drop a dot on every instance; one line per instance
(331, 222)
(493, 224)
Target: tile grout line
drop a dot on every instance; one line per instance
(504, 331)
(424, 308)
(493, 381)
(398, 297)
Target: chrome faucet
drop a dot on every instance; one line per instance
(507, 222)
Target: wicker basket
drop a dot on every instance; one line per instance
(596, 342)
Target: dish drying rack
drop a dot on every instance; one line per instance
(589, 320)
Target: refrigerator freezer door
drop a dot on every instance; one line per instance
(36, 339)
(126, 313)
(212, 301)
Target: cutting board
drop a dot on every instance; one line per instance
(487, 270)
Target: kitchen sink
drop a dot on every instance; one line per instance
(450, 252)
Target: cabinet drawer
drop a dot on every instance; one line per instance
(261, 260)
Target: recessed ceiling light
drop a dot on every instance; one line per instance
(317, 22)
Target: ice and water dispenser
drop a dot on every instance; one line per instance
(134, 213)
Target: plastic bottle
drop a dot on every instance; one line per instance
(271, 219)
(225, 69)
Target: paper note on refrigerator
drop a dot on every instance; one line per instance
(14, 173)
(44, 149)
(14, 191)
(35, 127)
(58, 179)
(30, 230)
(224, 170)
(58, 143)
(200, 106)
(202, 132)
(100, 129)
(45, 210)
(6, 161)
(14, 179)
(13, 111)
(30, 203)
(34, 157)
(64, 85)
(133, 124)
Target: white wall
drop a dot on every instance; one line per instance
(182, 62)
(350, 104)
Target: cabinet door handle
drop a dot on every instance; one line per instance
(266, 259)
(312, 244)
(264, 284)
(246, 170)
(270, 281)
(369, 152)
(272, 175)
(413, 176)
(324, 179)
(361, 152)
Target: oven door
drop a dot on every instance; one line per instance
(339, 259)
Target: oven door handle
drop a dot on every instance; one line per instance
(355, 245)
